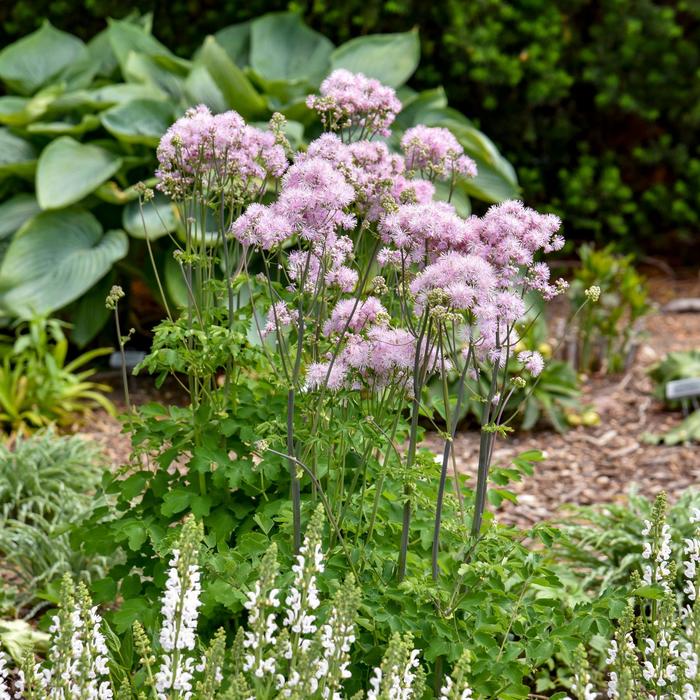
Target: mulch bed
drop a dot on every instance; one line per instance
(591, 465)
(585, 465)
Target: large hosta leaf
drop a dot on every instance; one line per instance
(68, 171)
(201, 89)
(235, 40)
(391, 58)
(496, 179)
(124, 92)
(282, 47)
(20, 111)
(235, 87)
(69, 126)
(15, 212)
(138, 121)
(157, 218)
(126, 37)
(54, 258)
(149, 70)
(17, 156)
(33, 61)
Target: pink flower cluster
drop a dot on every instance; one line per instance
(278, 317)
(468, 282)
(312, 203)
(372, 170)
(511, 233)
(214, 150)
(379, 357)
(421, 232)
(473, 272)
(437, 152)
(352, 101)
(532, 361)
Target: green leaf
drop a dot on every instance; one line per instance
(235, 40)
(69, 127)
(130, 611)
(235, 87)
(175, 283)
(159, 217)
(141, 68)
(496, 179)
(282, 47)
(17, 156)
(33, 61)
(68, 171)
(649, 592)
(390, 58)
(415, 106)
(175, 501)
(55, 258)
(20, 111)
(200, 88)
(458, 198)
(125, 92)
(90, 313)
(126, 38)
(15, 212)
(138, 121)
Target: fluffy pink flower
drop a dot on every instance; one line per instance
(437, 152)
(327, 257)
(510, 234)
(467, 280)
(314, 198)
(279, 316)
(532, 361)
(354, 101)
(221, 151)
(351, 315)
(262, 226)
(375, 359)
(426, 230)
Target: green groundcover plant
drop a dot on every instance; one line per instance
(80, 121)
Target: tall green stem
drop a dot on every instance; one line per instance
(445, 462)
(485, 447)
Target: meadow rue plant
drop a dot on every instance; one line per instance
(347, 209)
(323, 291)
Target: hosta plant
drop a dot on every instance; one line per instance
(79, 123)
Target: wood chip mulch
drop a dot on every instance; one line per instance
(600, 464)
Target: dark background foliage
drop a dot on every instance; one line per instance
(596, 102)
